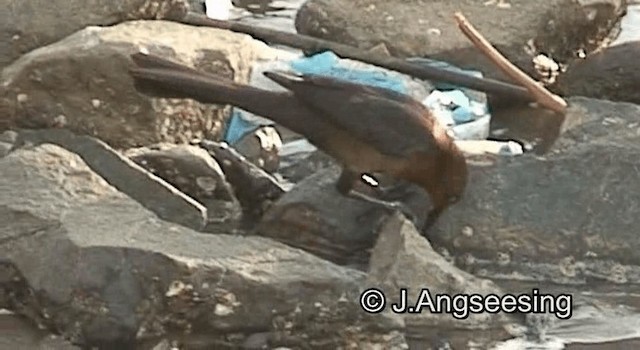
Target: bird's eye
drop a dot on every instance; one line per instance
(454, 199)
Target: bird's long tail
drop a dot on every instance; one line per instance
(158, 77)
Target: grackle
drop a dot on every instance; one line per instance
(366, 129)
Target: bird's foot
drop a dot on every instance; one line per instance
(390, 206)
(404, 209)
(396, 206)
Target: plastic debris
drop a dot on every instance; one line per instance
(325, 63)
(328, 64)
(464, 111)
(218, 9)
(503, 148)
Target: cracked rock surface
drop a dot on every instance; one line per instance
(105, 271)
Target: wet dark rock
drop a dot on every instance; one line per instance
(427, 28)
(107, 272)
(28, 25)
(254, 188)
(402, 258)
(82, 83)
(578, 201)
(194, 172)
(611, 74)
(122, 173)
(313, 216)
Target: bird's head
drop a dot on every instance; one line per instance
(450, 185)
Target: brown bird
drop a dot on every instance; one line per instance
(366, 129)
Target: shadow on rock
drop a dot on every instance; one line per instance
(255, 188)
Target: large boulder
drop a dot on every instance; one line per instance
(611, 74)
(95, 266)
(82, 83)
(27, 25)
(427, 28)
(122, 173)
(403, 259)
(572, 211)
(315, 217)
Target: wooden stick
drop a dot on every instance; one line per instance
(308, 43)
(541, 95)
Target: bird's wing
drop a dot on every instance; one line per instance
(393, 123)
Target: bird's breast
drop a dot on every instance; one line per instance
(360, 156)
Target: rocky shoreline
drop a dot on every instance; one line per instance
(125, 222)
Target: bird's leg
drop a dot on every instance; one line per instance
(345, 187)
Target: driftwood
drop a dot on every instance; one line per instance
(307, 43)
(543, 96)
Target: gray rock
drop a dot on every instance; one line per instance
(402, 258)
(5, 148)
(611, 74)
(107, 271)
(147, 189)
(82, 83)
(578, 201)
(427, 28)
(313, 216)
(31, 24)
(7, 139)
(594, 122)
(17, 333)
(194, 172)
(9, 136)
